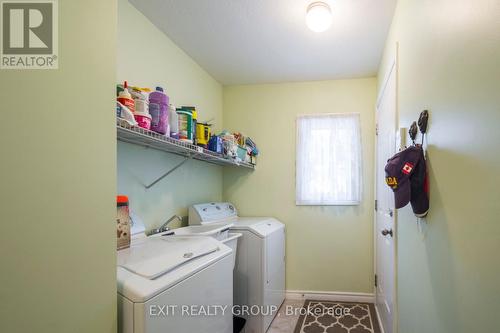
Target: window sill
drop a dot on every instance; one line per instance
(336, 203)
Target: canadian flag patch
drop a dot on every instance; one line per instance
(407, 168)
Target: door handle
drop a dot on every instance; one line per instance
(386, 232)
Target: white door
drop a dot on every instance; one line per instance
(385, 228)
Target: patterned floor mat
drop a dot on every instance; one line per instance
(337, 317)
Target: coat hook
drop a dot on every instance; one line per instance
(413, 132)
(422, 123)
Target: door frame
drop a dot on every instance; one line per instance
(393, 67)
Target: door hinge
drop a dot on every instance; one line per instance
(376, 204)
(376, 129)
(376, 280)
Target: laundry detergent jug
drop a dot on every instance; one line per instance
(158, 109)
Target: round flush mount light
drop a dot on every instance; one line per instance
(319, 16)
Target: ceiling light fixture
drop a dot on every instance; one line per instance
(319, 16)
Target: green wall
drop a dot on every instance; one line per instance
(329, 248)
(448, 268)
(57, 194)
(147, 57)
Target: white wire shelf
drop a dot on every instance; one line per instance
(142, 137)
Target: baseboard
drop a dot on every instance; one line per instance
(339, 296)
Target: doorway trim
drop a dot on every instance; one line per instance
(393, 67)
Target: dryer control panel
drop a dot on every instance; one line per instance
(213, 212)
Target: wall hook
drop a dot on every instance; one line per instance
(413, 132)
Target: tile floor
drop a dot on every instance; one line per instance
(283, 323)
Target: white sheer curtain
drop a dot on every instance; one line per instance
(328, 163)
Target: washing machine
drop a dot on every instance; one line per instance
(175, 284)
(259, 274)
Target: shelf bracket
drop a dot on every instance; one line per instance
(168, 172)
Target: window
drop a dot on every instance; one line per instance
(328, 164)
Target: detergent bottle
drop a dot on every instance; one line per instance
(192, 122)
(158, 108)
(185, 117)
(195, 127)
(125, 98)
(173, 121)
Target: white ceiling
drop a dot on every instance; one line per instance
(259, 41)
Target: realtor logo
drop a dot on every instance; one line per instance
(29, 35)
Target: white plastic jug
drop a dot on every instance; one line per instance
(174, 122)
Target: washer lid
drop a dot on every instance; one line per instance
(138, 288)
(261, 226)
(156, 256)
